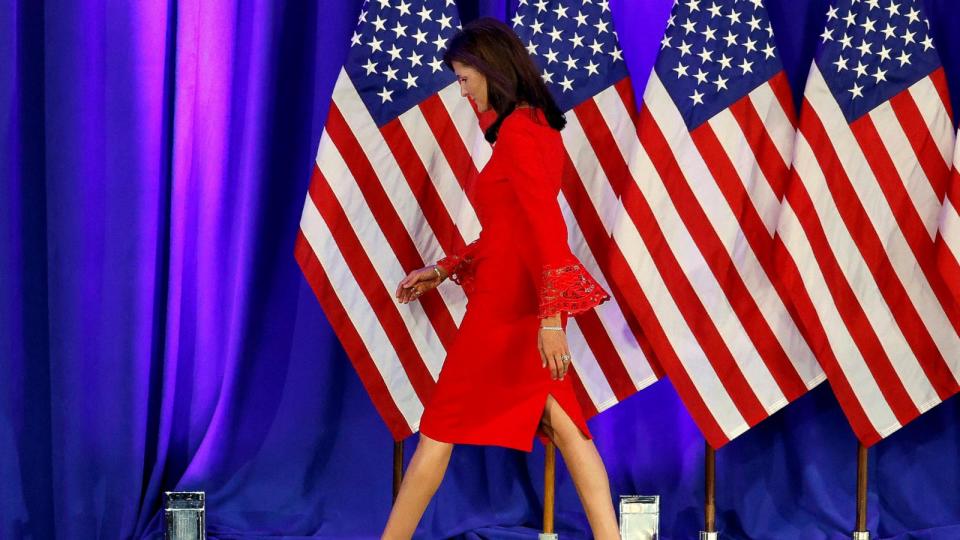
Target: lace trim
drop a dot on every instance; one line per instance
(459, 270)
(569, 288)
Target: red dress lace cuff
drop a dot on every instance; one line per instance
(569, 288)
(459, 270)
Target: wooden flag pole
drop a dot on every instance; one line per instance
(710, 490)
(397, 467)
(709, 531)
(710, 487)
(861, 533)
(549, 487)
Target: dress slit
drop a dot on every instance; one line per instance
(542, 436)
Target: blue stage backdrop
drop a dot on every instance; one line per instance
(156, 333)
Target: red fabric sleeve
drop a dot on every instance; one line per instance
(564, 284)
(459, 265)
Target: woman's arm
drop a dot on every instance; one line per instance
(458, 266)
(564, 285)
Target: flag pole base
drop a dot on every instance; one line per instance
(547, 536)
(714, 535)
(861, 535)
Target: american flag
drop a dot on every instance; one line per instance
(705, 172)
(388, 195)
(948, 241)
(871, 165)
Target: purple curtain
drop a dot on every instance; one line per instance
(156, 334)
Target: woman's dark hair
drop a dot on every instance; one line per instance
(493, 49)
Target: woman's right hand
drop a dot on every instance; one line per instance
(419, 282)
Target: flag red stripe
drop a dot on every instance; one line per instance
(583, 397)
(450, 141)
(625, 89)
(914, 330)
(598, 339)
(621, 272)
(867, 239)
(742, 302)
(950, 266)
(606, 354)
(386, 217)
(603, 249)
(861, 330)
(783, 275)
(908, 219)
(768, 157)
(805, 314)
(783, 93)
(428, 199)
(624, 283)
(350, 340)
(670, 269)
(850, 310)
(922, 141)
(939, 79)
(382, 304)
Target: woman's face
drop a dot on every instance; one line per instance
(472, 84)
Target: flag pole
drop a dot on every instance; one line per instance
(861, 533)
(397, 468)
(549, 493)
(710, 489)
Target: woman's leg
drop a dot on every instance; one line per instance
(586, 468)
(420, 482)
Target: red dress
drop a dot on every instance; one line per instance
(493, 387)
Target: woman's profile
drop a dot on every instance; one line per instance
(504, 378)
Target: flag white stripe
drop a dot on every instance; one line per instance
(848, 356)
(682, 341)
(950, 229)
(744, 161)
(775, 120)
(610, 312)
(606, 205)
(378, 250)
(441, 175)
(383, 163)
(457, 205)
(355, 304)
(595, 182)
(465, 120)
(935, 116)
(588, 369)
(915, 182)
(735, 145)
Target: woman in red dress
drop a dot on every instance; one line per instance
(503, 380)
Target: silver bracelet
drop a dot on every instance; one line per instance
(552, 328)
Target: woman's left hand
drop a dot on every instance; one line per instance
(554, 351)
